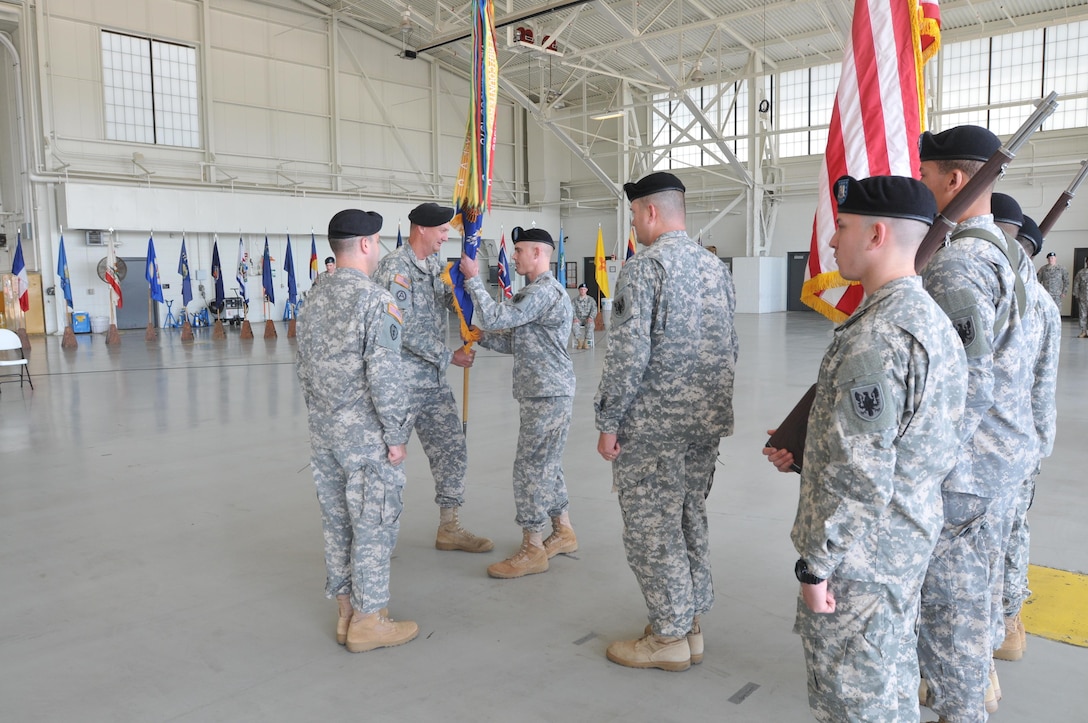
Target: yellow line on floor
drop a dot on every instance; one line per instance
(1058, 606)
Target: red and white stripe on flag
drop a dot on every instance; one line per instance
(875, 124)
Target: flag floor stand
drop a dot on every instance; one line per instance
(270, 329)
(69, 340)
(219, 332)
(247, 330)
(150, 334)
(291, 328)
(186, 331)
(112, 337)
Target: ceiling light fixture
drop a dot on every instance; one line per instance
(606, 116)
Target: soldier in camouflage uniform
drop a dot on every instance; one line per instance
(1054, 278)
(585, 316)
(351, 374)
(413, 274)
(972, 279)
(664, 402)
(1046, 344)
(534, 327)
(1080, 290)
(883, 434)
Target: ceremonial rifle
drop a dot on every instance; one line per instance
(793, 431)
(1063, 201)
(981, 182)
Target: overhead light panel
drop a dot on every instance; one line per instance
(607, 116)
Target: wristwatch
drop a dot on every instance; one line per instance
(800, 569)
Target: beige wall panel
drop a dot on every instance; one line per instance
(77, 105)
(299, 88)
(304, 45)
(301, 137)
(239, 33)
(165, 19)
(254, 76)
(243, 130)
(77, 49)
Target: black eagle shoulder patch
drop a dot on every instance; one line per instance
(868, 402)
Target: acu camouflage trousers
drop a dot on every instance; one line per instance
(432, 413)
(540, 490)
(662, 495)
(361, 497)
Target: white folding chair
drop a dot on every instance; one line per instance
(10, 341)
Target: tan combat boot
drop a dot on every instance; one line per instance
(528, 560)
(993, 691)
(1012, 648)
(369, 632)
(451, 536)
(652, 651)
(344, 618)
(561, 540)
(695, 640)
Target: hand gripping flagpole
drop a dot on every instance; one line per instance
(472, 190)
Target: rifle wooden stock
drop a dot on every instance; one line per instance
(793, 431)
(981, 182)
(1063, 201)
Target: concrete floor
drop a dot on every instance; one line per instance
(161, 554)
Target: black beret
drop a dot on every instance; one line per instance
(353, 222)
(653, 183)
(962, 143)
(1005, 209)
(892, 196)
(1030, 230)
(1051, 254)
(582, 286)
(329, 260)
(538, 235)
(430, 214)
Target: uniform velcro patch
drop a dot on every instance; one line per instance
(394, 311)
(402, 280)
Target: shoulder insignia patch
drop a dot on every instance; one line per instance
(394, 311)
(965, 327)
(402, 280)
(518, 297)
(868, 402)
(620, 306)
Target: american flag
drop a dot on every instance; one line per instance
(879, 114)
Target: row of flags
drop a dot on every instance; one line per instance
(151, 273)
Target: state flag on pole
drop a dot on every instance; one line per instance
(630, 244)
(111, 272)
(18, 270)
(561, 265)
(602, 269)
(186, 282)
(62, 274)
(151, 271)
(217, 275)
(242, 271)
(400, 239)
(313, 258)
(289, 269)
(878, 115)
(266, 274)
(504, 270)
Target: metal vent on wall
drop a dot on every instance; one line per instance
(95, 238)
